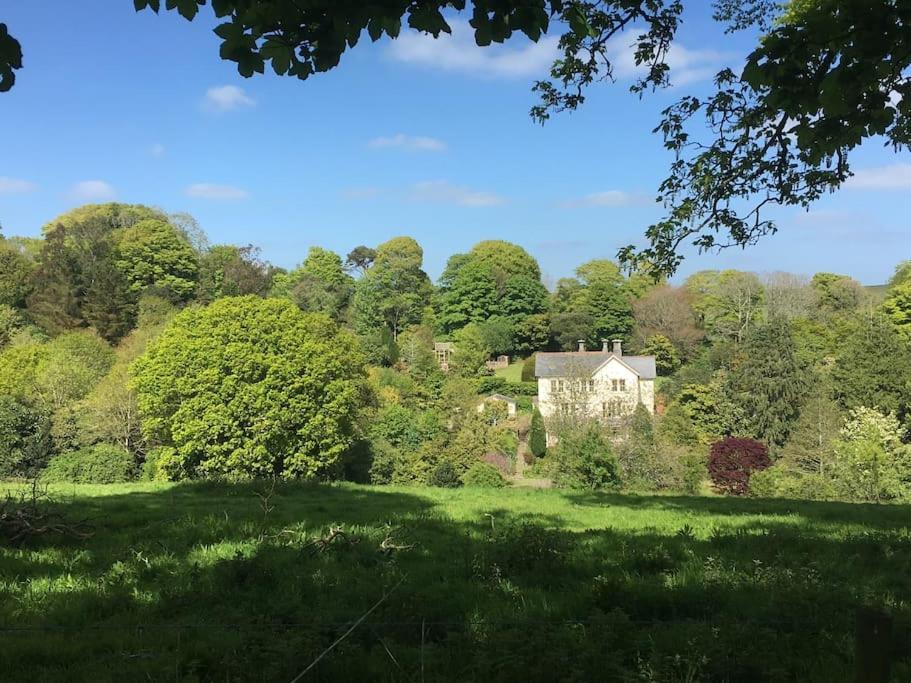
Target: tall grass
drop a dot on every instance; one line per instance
(208, 582)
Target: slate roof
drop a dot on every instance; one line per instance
(500, 397)
(584, 363)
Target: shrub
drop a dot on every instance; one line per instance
(501, 461)
(732, 460)
(98, 464)
(780, 482)
(162, 464)
(444, 475)
(528, 368)
(694, 471)
(483, 474)
(498, 385)
(537, 437)
(585, 459)
(25, 438)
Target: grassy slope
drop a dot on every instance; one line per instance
(511, 373)
(194, 581)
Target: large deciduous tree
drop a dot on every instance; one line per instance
(394, 291)
(495, 279)
(319, 284)
(250, 387)
(668, 311)
(152, 255)
(229, 270)
(593, 306)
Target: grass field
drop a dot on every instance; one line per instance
(512, 372)
(205, 582)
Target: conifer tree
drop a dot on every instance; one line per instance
(768, 384)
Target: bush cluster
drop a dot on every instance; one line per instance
(733, 460)
(98, 464)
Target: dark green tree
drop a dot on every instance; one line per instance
(873, 369)
(228, 270)
(537, 437)
(768, 384)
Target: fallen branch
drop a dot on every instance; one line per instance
(29, 514)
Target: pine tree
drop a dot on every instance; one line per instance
(768, 384)
(874, 369)
(537, 438)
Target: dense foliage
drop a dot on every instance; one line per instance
(124, 330)
(99, 464)
(251, 386)
(732, 461)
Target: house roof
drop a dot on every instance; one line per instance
(586, 363)
(500, 397)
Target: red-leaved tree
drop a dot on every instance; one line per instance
(733, 460)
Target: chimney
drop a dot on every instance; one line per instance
(618, 347)
(604, 347)
(581, 345)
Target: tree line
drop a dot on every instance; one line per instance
(131, 346)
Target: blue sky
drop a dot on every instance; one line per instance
(429, 139)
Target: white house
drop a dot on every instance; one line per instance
(603, 384)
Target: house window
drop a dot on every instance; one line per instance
(614, 383)
(622, 385)
(553, 385)
(591, 386)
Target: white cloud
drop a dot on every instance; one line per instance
(218, 192)
(446, 193)
(93, 191)
(686, 65)
(892, 177)
(15, 185)
(157, 150)
(458, 52)
(610, 198)
(227, 98)
(413, 142)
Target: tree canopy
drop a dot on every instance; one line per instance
(250, 387)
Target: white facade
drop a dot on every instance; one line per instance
(613, 390)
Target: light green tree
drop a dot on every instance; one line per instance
(897, 307)
(152, 254)
(251, 387)
(871, 462)
(394, 291)
(471, 351)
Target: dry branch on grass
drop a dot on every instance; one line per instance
(336, 533)
(30, 513)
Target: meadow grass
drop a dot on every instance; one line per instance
(207, 582)
(512, 372)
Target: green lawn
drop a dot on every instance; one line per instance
(512, 372)
(195, 582)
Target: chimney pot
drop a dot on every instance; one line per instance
(581, 345)
(604, 347)
(618, 347)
